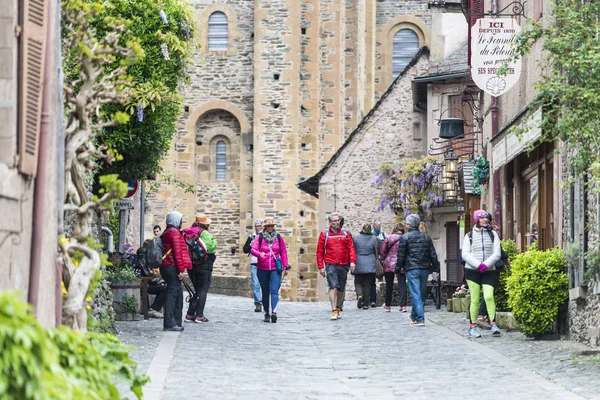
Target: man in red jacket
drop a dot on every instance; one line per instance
(335, 252)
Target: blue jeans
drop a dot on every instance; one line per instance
(417, 284)
(255, 284)
(270, 281)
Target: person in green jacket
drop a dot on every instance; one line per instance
(201, 274)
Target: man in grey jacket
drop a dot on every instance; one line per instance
(417, 256)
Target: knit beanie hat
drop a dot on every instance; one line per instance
(477, 215)
(413, 220)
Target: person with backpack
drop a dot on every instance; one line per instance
(483, 319)
(365, 245)
(389, 255)
(335, 254)
(175, 261)
(417, 255)
(258, 227)
(272, 265)
(202, 246)
(481, 251)
(156, 285)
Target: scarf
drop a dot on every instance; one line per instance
(269, 237)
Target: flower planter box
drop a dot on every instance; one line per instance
(465, 303)
(128, 316)
(506, 321)
(449, 305)
(457, 305)
(121, 291)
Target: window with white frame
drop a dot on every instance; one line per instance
(218, 35)
(405, 46)
(221, 165)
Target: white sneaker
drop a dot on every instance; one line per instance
(155, 314)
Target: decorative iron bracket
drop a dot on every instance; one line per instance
(515, 9)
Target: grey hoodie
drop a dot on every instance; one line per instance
(174, 218)
(482, 250)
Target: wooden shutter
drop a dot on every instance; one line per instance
(218, 32)
(454, 269)
(33, 47)
(405, 45)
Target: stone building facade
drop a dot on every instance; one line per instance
(269, 108)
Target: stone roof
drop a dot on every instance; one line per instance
(311, 185)
(455, 63)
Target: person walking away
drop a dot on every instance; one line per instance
(389, 256)
(481, 251)
(380, 235)
(417, 255)
(258, 227)
(335, 253)
(201, 275)
(422, 227)
(364, 272)
(272, 265)
(176, 260)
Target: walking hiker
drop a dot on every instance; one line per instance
(176, 260)
(380, 235)
(389, 257)
(258, 227)
(335, 253)
(481, 251)
(201, 274)
(417, 255)
(272, 265)
(365, 245)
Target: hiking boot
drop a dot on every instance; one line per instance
(267, 318)
(473, 332)
(482, 322)
(359, 302)
(175, 328)
(387, 309)
(257, 307)
(403, 309)
(189, 318)
(495, 330)
(339, 316)
(273, 317)
(335, 314)
(373, 305)
(201, 319)
(155, 314)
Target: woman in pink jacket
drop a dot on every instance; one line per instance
(388, 256)
(269, 248)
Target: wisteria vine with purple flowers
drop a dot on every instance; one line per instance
(409, 188)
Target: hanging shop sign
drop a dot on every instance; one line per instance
(492, 44)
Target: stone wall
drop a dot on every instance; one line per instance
(386, 136)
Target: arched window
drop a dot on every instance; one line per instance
(405, 47)
(218, 39)
(221, 161)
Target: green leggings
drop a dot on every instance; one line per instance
(488, 296)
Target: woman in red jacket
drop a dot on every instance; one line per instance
(176, 260)
(269, 249)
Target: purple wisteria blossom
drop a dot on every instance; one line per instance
(140, 113)
(163, 16)
(165, 51)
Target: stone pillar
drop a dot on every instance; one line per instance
(276, 119)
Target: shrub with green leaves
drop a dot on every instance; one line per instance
(39, 363)
(537, 286)
(501, 294)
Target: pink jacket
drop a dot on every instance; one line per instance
(388, 254)
(268, 262)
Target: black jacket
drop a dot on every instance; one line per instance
(416, 251)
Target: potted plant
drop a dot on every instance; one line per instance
(481, 173)
(537, 287)
(125, 285)
(460, 299)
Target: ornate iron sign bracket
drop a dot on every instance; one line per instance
(514, 9)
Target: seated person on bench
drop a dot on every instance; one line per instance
(156, 285)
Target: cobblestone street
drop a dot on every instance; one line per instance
(367, 354)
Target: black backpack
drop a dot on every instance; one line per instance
(499, 266)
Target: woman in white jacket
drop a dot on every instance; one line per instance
(480, 251)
